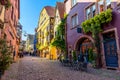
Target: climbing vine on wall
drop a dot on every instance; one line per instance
(59, 40)
(94, 24)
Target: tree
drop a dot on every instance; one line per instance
(59, 41)
(5, 55)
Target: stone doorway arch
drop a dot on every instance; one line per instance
(83, 43)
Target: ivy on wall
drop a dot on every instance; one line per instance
(93, 25)
(59, 41)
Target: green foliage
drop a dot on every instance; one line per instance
(5, 57)
(59, 40)
(74, 55)
(7, 3)
(60, 44)
(92, 55)
(94, 24)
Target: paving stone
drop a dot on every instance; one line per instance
(34, 68)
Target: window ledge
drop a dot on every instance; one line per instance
(74, 27)
(74, 6)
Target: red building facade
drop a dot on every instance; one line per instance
(12, 15)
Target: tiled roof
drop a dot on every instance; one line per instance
(61, 8)
(50, 10)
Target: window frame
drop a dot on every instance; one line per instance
(73, 2)
(74, 19)
(90, 7)
(108, 4)
(101, 3)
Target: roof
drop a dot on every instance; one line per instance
(61, 8)
(50, 10)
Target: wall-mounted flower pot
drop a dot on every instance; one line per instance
(6, 3)
(3, 2)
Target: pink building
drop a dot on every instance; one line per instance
(81, 10)
(12, 15)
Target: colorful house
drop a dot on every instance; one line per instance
(11, 17)
(81, 10)
(59, 15)
(45, 31)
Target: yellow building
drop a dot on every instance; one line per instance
(45, 31)
(59, 15)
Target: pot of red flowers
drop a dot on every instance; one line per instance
(3, 2)
(6, 3)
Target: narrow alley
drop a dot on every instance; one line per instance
(34, 68)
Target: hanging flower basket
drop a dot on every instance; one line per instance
(3, 2)
(6, 3)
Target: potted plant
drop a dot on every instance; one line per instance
(6, 3)
(92, 57)
(74, 55)
(5, 56)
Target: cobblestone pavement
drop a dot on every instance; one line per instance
(33, 68)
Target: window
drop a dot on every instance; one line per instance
(12, 13)
(108, 4)
(118, 2)
(55, 33)
(73, 2)
(101, 6)
(91, 11)
(74, 20)
(88, 13)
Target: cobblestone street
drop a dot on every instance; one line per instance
(34, 68)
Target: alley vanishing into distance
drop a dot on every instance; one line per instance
(35, 68)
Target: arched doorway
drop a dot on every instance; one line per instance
(83, 44)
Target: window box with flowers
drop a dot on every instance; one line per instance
(6, 3)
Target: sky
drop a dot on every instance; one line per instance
(29, 13)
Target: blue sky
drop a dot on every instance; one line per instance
(29, 13)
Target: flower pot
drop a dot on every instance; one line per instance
(3, 2)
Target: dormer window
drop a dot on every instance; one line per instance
(74, 2)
